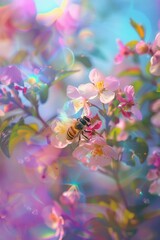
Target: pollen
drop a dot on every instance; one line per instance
(100, 85)
(60, 128)
(97, 151)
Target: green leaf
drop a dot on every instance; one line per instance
(44, 93)
(6, 131)
(158, 87)
(131, 72)
(84, 60)
(132, 44)
(144, 125)
(64, 74)
(21, 133)
(148, 68)
(139, 148)
(149, 96)
(137, 85)
(138, 28)
(135, 148)
(114, 133)
(32, 97)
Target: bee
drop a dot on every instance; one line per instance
(78, 129)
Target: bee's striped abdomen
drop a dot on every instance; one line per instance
(71, 133)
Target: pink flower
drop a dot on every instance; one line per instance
(101, 86)
(155, 59)
(80, 97)
(156, 109)
(96, 124)
(142, 47)
(10, 74)
(156, 106)
(60, 128)
(2, 113)
(104, 87)
(155, 64)
(155, 120)
(155, 187)
(124, 51)
(155, 46)
(53, 219)
(71, 196)
(154, 174)
(127, 105)
(96, 153)
(8, 28)
(69, 20)
(154, 159)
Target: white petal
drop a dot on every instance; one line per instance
(96, 76)
(107, 96)
(72, 92)
(59, 141)
(111, 83)
(88, 90)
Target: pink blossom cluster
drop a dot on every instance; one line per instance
(154, 173)
(95, 152)
(141, 47)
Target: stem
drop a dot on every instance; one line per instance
(100, 110)
(41, 119)
(120, 189)
(104, 109)
(18, 102)
(115, 175)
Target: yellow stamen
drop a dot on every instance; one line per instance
(60, 128)
(97, 151)
(100, 85)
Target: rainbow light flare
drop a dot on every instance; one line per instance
(48, 12)
(43, 233)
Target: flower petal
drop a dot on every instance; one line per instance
(96, 76)
(59, 141)
(110, 152)
(155, 64)
(1, 113)
(78, 104)
(72, 92)
(88, 91)
(153, 174)
(157, 40)
(155, 120)
(111, 83)
(129, 91)
(106, 96)
(80, 153)
(155, 187)
(136, 112)
(118, 58)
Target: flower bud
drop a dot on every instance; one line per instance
(142, 47)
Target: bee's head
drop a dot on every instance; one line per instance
(87, 119)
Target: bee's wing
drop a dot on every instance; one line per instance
(73, 106)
